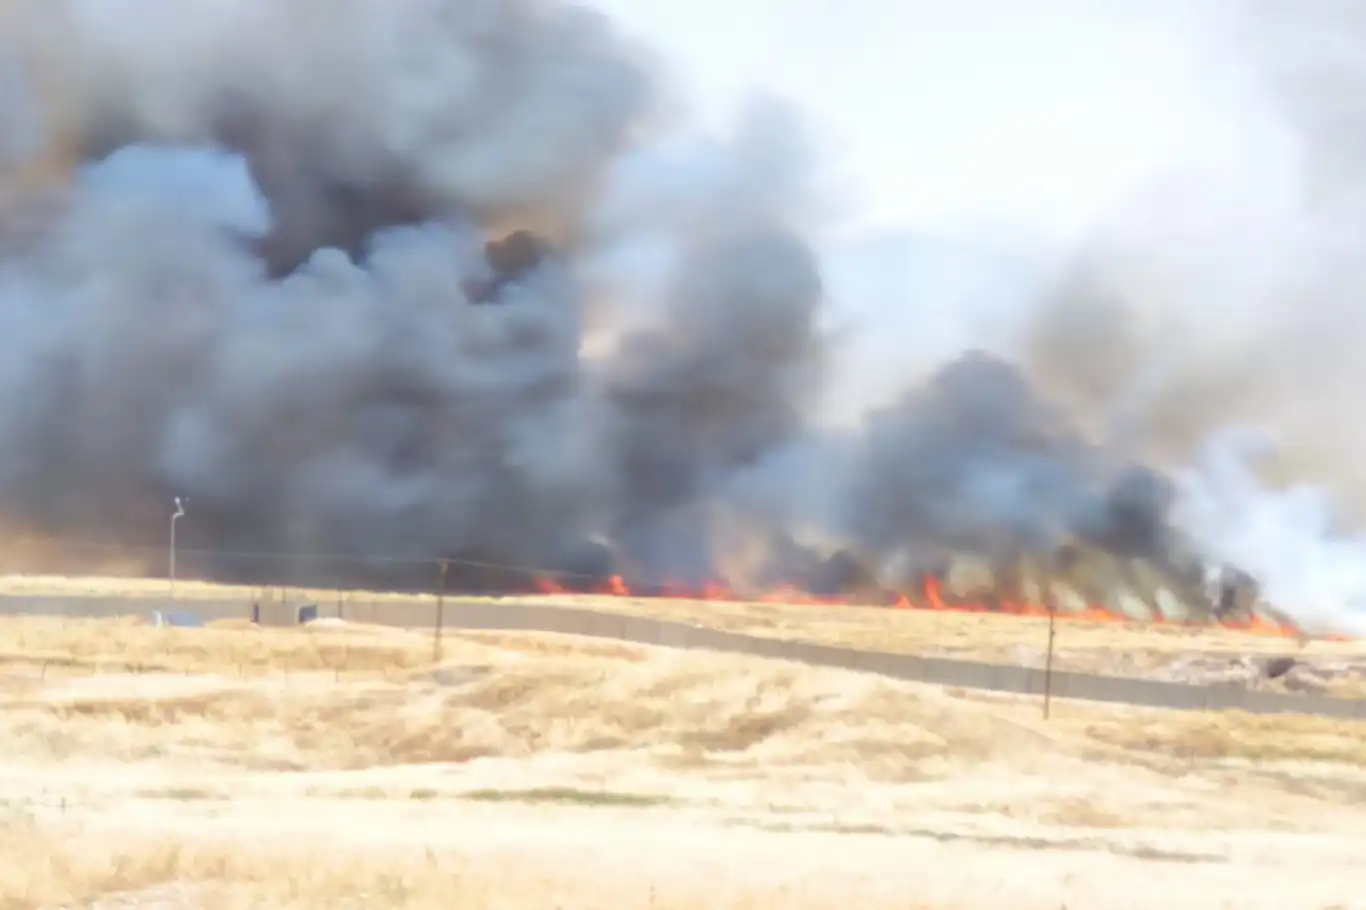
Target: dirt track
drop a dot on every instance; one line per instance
(1127, 649)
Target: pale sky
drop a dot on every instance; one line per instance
(984, 137)
(958, 116)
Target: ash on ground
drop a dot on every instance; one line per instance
(1318, 674)
(1265, 673)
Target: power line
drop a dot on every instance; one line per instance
(316, 558)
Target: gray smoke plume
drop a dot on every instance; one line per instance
(975, 461)
(1212, 308)
(1210, 302)
(439, 278)
(23, 133)
(270, 287)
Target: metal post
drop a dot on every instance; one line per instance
(1048, 658)
(178, 513)
(441, 565)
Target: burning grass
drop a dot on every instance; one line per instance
(933, 599)
(1180, 653)
(1084, 643)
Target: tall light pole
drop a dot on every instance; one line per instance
(178, 513)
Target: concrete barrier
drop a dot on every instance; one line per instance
(516, 616)
(177, 620)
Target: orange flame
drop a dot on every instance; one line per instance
(932, 597)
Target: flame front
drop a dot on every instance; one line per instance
(931, 597)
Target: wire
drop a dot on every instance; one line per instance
(314, 558)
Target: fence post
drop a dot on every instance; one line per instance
(441, 565)
(1048, 657)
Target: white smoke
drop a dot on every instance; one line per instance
(1289, 538)
(1223, 300)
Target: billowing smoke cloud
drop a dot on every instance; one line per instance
(975, 460)
(1217, 302)
(432, 278)
(18, 112)
(272, 288)
(1304, 556)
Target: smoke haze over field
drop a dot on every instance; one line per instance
(446, 279)
(1212, 321)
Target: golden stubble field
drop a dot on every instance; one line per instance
(338, 767)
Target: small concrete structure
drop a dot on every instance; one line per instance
(177, 620)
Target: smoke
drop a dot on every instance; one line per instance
(446, 279)
(23, 133)
(1318, 566)
(1214, 304)
(975, 461)
(270, 286)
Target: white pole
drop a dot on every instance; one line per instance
(178, 513)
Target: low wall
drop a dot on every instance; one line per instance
(514, 616)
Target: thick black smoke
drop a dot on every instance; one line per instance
(430, 278)
(276, 285)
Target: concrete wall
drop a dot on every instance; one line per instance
(574, 621)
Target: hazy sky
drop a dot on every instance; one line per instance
(975, 113)
(983, 136)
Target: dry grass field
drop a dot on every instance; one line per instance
(235, 767)
(1131, 649)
